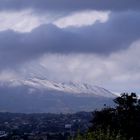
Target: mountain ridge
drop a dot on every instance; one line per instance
(34, 95)
(69, 87)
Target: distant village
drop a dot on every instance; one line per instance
(14, 126)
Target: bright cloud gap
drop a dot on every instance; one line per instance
(22, 21)
(85, 18)
(27, 20)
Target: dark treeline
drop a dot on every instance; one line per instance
(121, 122)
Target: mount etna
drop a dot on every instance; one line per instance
(36, 95)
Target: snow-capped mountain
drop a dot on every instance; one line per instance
(78, 89)
(42, 95)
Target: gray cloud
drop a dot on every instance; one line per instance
(101, 38)
(67, 5)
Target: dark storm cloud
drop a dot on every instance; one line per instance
(101, 38)
(70, 5)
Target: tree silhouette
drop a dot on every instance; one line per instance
(124, 118)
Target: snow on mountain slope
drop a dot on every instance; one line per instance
(38, 95)
(78, 89)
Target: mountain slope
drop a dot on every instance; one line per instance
(41, 95)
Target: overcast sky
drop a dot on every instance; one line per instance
(93, 41)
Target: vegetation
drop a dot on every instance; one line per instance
(100, 135)
(119, 123)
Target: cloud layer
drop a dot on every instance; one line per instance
(94, 41)
(66, 5)
(113, 71)
(102, 38)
